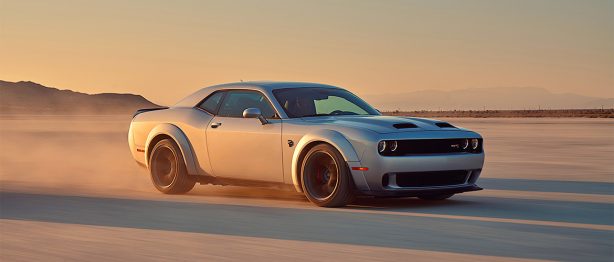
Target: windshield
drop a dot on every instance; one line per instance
(318, 101)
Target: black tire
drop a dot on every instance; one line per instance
(167, 169)
(436, 197)
(325, 177)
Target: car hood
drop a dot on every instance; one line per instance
(385, 124)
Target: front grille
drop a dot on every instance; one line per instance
(428, 179)
(431, 146)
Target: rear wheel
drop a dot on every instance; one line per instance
(436, 197)
(326, 180)
(168, 171)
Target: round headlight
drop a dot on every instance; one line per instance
(381, 146)
(393, 145)
(464, 144)
(474, 143)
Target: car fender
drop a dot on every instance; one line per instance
(334, 138)
(180, 138)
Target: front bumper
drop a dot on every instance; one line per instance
(381, 177)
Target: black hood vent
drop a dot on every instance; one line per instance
(444, 125)
(404, 125)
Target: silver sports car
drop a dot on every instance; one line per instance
(322, 140)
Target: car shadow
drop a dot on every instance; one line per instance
(288, 193)
(239, 192)
(404, 203)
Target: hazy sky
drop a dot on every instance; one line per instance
(165, 50)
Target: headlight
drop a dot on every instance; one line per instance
(381, 146)
(474, 143)
(465, 144)
(393, 145)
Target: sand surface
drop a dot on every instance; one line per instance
(69, 190)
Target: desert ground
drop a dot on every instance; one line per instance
(69, 190)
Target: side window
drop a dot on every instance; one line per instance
(237, 101)
(210, 104)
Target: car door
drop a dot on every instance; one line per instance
(244, 148)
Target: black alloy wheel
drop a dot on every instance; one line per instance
(168, 171)
(326, 180)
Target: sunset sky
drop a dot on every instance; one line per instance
(165, 50)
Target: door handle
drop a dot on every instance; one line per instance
(215, 125)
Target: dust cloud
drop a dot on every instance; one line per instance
(83, 155)
(68, 152)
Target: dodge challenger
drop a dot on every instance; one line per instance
(321, 140)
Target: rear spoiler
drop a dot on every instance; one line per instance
(143, 110)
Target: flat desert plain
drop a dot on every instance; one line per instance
(69, 190)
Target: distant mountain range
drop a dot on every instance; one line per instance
(502, 98)
(26, 97)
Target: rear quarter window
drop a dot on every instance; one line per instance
(211, 103)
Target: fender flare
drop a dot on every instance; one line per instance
(180, 139)
(334, 138)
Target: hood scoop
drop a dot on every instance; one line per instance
(444, 125)
(404, 125)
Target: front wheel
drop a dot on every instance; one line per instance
(326, 180)
(168, 171)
